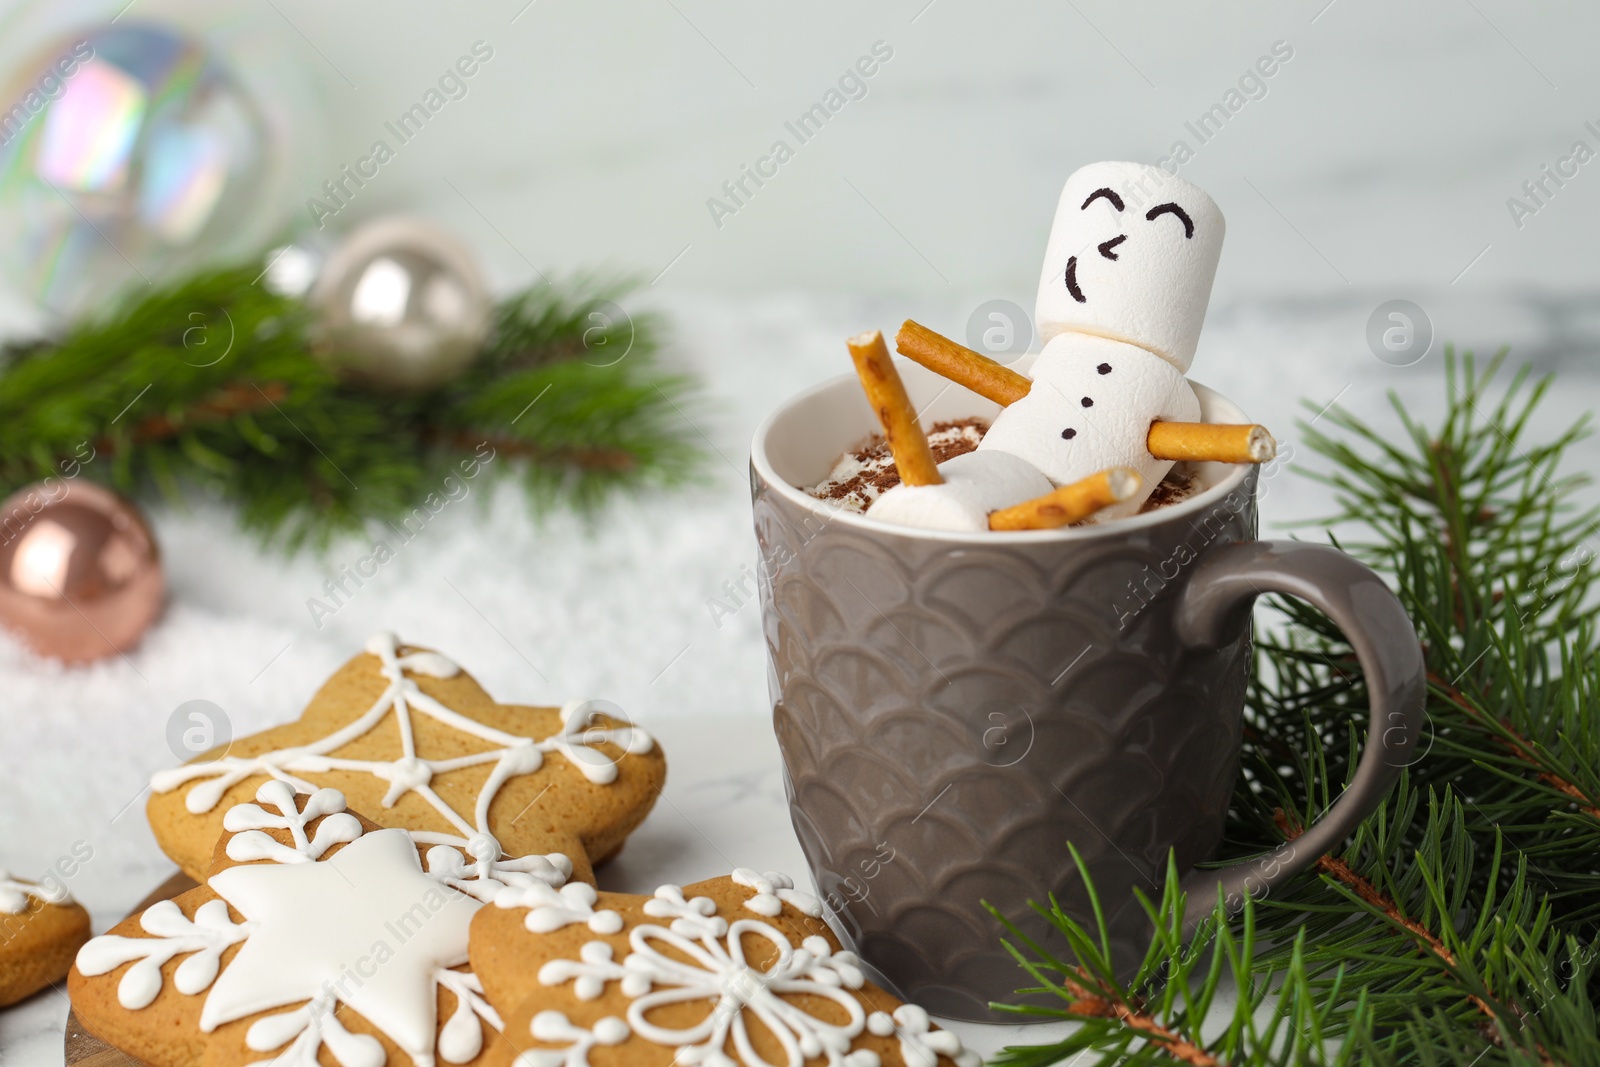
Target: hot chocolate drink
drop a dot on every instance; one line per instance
(863, 474)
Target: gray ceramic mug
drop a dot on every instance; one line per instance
(954, 708)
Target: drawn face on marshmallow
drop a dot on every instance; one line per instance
(1131, 256)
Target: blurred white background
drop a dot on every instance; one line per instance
(1376, 163)
(1380, 156)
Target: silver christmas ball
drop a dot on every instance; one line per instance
(291, 269)
(400, 304)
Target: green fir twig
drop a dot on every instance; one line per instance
(211, 384)
(1460, 924)
(1268, 1013)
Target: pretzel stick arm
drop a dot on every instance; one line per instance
(991, 380)
(1069, 503)
(887, 395)
(1199, 442)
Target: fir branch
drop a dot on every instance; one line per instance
(1494, 952)
(1341, 872)
(233, 399)
(1461, 922)
(1519, 747)
(212, 384)
(1159, 1016)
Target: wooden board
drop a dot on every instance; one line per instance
(83, 1048)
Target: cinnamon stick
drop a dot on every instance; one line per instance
(991, 380)
(1069, 503)
(1199, 442)
(887, 395)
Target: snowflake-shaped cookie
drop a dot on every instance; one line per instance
(736, 970)
(317, 931)
(411, 739)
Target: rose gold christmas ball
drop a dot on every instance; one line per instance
(80, 575)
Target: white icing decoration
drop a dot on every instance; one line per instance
(248, 821)
(598, 965)
(14, 894)
(372, 892)
(461, 1039)
(365, 928)
(773, 890)
(920, 1044)
(692, 917)
(553, 1026)
(310, 1027)
(575, 739)
(489, 874)
(707, 962)
(172, 934)
(555, 909)
(411, 773)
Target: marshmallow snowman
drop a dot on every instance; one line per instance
(1122, 296)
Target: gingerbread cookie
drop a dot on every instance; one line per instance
(734, 970)
(414, 742)
(317, 934)
(40, 930)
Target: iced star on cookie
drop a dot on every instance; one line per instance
(316, 929)
(732, 971)
(411, 739)
(372, 900)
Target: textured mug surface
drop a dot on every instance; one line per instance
(953, 709)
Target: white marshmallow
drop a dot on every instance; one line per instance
(974, 485)
(1058, 434)
(1111, 270)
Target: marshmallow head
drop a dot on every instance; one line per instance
(1131, 256)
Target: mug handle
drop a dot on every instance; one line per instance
(1214, 608)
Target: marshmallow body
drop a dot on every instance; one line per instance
(1091, 406)
(1131, 256)
(974, 485)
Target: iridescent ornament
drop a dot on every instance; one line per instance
(80, 574)
(400, 304)
(126, 151)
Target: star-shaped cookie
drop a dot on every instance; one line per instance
(413, 740)
(40, 929)
(318, 933)
(739, 970)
